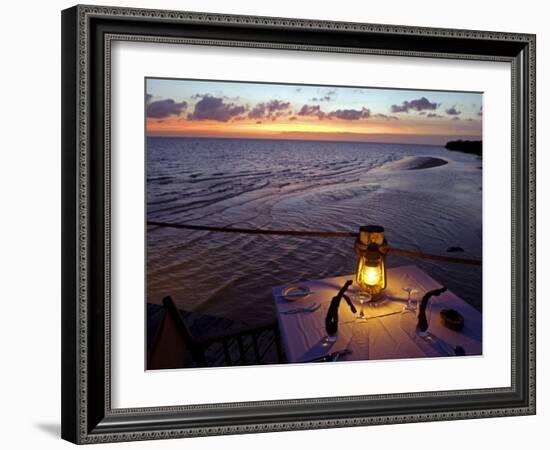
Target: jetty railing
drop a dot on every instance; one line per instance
(312, 234)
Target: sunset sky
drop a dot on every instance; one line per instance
(192, 108)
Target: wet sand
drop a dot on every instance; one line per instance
(416, 163)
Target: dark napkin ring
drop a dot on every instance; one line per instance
(452, 319)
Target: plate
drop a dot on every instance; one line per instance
(295, 292)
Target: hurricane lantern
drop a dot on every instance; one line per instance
(371, 261)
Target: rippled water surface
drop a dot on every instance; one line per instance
(298, 185)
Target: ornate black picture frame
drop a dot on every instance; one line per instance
(87, 34)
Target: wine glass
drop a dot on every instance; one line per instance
(363, 297)
(410, 306)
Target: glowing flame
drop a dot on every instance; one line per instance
(371, 275)
(368, 275)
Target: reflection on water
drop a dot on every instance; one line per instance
(298, 185)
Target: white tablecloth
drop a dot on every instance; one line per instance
(387, 333)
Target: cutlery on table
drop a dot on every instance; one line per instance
(446, 348)
(311, 308)
(334, 356)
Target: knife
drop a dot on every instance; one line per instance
(334, 356)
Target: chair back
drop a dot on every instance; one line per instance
(174, 346)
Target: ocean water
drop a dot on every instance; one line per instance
(299, 185)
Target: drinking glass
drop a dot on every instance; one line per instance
(411, 304)
(362, 297)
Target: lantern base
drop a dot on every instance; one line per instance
(376, 298)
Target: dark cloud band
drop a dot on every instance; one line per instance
(311, 110)
(270, 110)
(350, 114)
(214, 108)
(342, 114)
(164, 108)
(452, 111)
(420, 104)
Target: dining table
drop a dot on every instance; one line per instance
(387, 330)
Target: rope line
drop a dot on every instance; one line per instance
(335, 234)
(332, 234)
(451, 259)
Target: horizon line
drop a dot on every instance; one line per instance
(172, 136)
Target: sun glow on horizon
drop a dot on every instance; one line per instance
(191, 108)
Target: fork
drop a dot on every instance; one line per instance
(311, 308)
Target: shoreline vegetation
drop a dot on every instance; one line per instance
(472, 147)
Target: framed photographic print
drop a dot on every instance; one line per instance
(282, 224)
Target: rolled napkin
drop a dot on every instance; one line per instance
(422, 325)
(331, 320)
